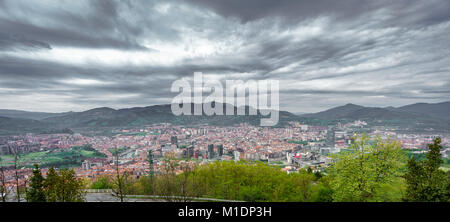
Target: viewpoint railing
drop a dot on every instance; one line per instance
(110, 191)
(98, 190)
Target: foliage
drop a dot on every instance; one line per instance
(141, 186)
(425, 181)
(121, 184)
(102, 182)
(63, 186)
(323, 191)
(69, 188)
(230, 180)
(3, 188)
(367, 171)
(50, 185)
(370, 170)
(36, 192)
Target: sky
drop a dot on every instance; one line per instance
(58, 55)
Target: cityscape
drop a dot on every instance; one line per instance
(225, 101)
(142, 149)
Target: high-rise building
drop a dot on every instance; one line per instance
(331, 136)
(190, 151)
(220, 149)
(289, 157)
(211, 151)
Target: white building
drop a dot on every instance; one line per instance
(237, 155)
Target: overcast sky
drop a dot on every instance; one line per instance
(75, 55)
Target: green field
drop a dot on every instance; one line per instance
(58, 158)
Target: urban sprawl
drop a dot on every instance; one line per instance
(291, 148)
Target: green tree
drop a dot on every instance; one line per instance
(36, 192)
(63, 186)
(425, 181)
(51, 185)
(363, 173)
(102, 182)
(69, 188)
(141, 186)
(323, 191)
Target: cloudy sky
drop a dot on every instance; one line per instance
(76, 55)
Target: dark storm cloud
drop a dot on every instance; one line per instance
(11, 42)
(292, 9)
(95, 29)
(427, 12)
(85, 54)
(33, 73)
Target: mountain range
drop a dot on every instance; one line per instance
(353, 112)
(129, 117)
(416, 116)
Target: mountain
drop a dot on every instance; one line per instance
(414, 111)
(438, 110)
(20, 126)
(354, 112)
(418, 116)
(340, 112)
(27, 115)
(107, 117)
(17, 124)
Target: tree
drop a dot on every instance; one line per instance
(69, 188)
(36, 192)
(16, 172)
(120, 182)
(448, 182)
(425, 181)
(151, 173)
(173, 186)
(324, 193)
(63, 186)
(186, 181)
(363, 173)
(102, 182)
(3, 188)
(166, 183)
(51, 185)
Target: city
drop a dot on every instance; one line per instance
(290, 148)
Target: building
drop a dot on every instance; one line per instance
(331, 136)
(325, 151)
(211, 153)
(174, 140)
(237, 155)
(88, 164)
(289, 157)
(190, 152)
(220, 149)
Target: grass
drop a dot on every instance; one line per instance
(66, 158)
